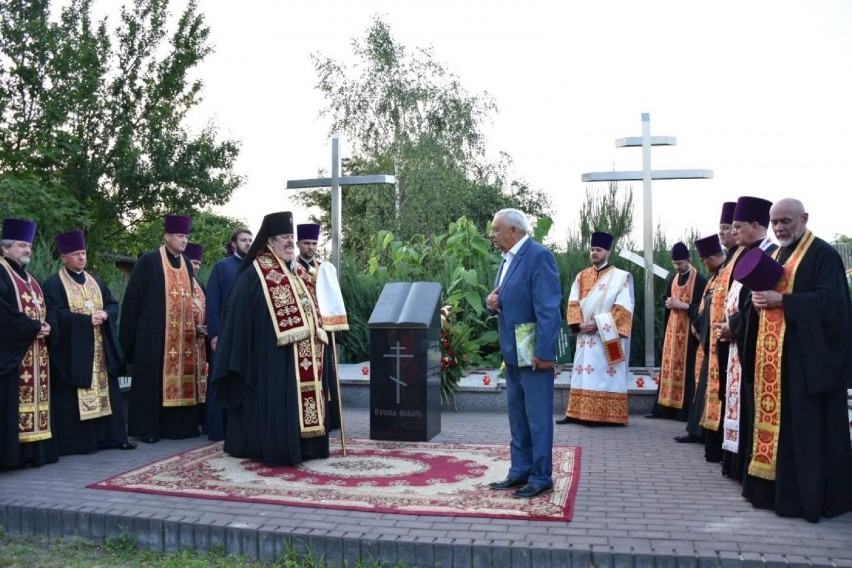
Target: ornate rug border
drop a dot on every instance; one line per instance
(566, 516)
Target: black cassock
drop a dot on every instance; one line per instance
(142, 336)
(743, 325)
(814, 459)
(256, 382)
(72, 354)
(17, 331)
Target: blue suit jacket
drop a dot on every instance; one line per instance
(218, 287)
(530, 293)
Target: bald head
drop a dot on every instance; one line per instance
(788, 220)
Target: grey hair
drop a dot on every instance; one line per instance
(514, 218)
(6, 243)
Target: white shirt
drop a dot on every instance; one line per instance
(509, 255)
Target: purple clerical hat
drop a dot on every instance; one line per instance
(602, 240)
(178, 224)
(69, 242)
(727, 217)
(19, 230)
(758, 271)
(680, 252)
(307, 232)
(708, 246)
(752, 209)
(194, 251)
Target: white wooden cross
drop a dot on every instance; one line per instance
(646, 175)
(335, 182)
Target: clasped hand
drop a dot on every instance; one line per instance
(766, 299)
(44, 331)
(99, 317)
(725, 334)
(588, 327)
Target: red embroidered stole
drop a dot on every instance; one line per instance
(673, 367)
(767, 372)
(86, 299)
(179, 348)
(292, 303)
(711, 418)
(34, 370)
(199, 312)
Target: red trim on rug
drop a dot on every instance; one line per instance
(407, 478)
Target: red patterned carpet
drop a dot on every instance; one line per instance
(414, 478)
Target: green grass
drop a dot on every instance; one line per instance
(121, 552)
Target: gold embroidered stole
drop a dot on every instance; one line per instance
(86, 299)
(673, 367)
(34, 370)
(199, 312)
(711, 418)
(767, 372)
(179, 348)
(291, 300)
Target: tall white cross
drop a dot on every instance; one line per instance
(646, 175)
(335, 182)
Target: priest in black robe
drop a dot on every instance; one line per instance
(157, 333)
(195, 254)
(85, 357)
(269, 368)
(26, 429)
(750, 224)
(700, 412)
(802, 463)
(684, 291)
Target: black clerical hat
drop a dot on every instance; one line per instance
(680, 252)
(708, 246)
(19, 230)
(602, 240)
(69, 242)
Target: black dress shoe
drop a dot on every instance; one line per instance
(529, 491)
(507, 483)
(567, 420)
(149, 439)
(127, 446)
(688, 439)
(652, 416)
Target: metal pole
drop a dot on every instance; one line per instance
(648, 240)
(339, 392)
(336, 217)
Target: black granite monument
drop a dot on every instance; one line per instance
(405, 363)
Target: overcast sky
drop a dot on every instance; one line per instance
(760, 92)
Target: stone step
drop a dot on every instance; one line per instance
(483, 390)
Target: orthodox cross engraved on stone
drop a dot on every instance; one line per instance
(646, 174)
(398, 356)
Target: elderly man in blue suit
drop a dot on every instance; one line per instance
(526, 291)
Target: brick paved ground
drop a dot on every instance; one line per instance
(643, 500)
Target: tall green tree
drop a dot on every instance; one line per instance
(98, 117)
(406, 114)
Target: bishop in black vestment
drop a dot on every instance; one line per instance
(270, 368)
